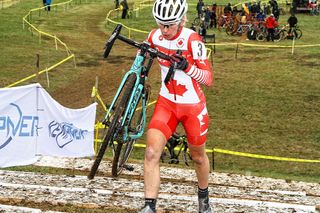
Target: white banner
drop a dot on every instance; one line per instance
(18, 126)
(32, 123)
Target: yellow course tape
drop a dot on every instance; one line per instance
(223, 151)
(34, 75)
(264, 156)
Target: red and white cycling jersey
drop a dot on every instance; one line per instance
(184, 88)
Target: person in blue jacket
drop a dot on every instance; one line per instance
(48, 3)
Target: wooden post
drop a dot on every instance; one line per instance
(292, 50)
(47, 74)
(213, 159)
(214, 41)
(237, 48)
(96, 86)
(38, 67)
(211, 56)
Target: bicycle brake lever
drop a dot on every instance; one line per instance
(170, 72)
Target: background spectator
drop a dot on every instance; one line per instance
(292, 21)
(48, 4)
(207, 17)
(125, 8)
(271, 24)
(200, 6)
(213, 19)
(116, 2)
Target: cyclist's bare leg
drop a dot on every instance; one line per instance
(156, 142)
(201, 163)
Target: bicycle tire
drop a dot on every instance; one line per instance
(277, 36)
(103, 147)
(110, 133)
(283, 34)
(196, 21)
(251, 34)
(117, 165)
(261, 36)
(121, 156)
(298, 33)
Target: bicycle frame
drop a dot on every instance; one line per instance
(137, 69)
(140, 70)
(120, 118)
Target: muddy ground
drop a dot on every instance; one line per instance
(36, 192)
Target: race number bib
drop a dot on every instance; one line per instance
(199, 50)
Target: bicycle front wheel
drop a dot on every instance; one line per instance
(107, 138)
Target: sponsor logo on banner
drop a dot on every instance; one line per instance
(22, 125)
(65, 133)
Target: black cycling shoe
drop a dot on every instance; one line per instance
(147, 209)
(204, 206)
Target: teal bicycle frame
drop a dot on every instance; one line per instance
(122, 127)
(137, 69)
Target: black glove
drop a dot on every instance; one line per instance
(182, 63)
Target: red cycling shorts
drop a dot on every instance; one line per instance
(193, 117)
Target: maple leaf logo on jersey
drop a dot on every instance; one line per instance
(175, 88)
(180, 42)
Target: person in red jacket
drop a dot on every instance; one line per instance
(271, 24)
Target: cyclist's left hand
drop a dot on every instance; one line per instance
(182, 63)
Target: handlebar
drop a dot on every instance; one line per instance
(116, 35)
(145, 47)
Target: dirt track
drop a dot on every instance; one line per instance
(228, 192)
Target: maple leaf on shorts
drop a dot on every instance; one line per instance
(175, 88)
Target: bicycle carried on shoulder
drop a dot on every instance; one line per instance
(123, 123)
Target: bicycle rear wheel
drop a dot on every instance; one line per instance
(121, 156)
(122, 149)
(113, 123)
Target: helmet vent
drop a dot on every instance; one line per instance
(170, 10)
(159, 8)
(164, 12)
(177, 10)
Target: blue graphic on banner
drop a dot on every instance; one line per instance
(24, 126)
(64, 133)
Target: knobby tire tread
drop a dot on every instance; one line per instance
(123, 104)
(103, 147)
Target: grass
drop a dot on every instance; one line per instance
(265, 100)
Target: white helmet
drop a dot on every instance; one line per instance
(169, 11)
